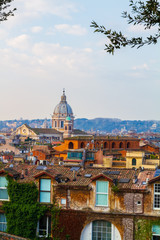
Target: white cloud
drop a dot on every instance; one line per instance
(33, 9)
(36, 29)
(3, 34)
(58, 57)
(89, 50)
(61, 8)
(71, 29)
(21, 42)
(141, 67)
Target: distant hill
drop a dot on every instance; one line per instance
(104, 125)
(111, 124)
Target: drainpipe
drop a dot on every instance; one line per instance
(68, 198)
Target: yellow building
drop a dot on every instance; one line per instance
(25, 131)
(139, 159)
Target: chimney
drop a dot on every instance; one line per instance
(84, 158)
(26, 172)
(135, 180)
(74, 175)
(22, 174)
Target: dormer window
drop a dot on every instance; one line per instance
(45, 190)
(157, 196)
(102, 193)
(3, 189)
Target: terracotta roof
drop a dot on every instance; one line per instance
(85, 176)
(45, 131)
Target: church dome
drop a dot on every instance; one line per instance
(63, 107)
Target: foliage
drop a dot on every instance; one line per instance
(4, 13)
(115, 188)
(22, 211)
(143, 228)
(144, 13)
(153, 156)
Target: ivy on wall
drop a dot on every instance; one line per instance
(22, 210)
(143, 228)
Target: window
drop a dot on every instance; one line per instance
(62, 124)
(128, 145)
(82, 145)
(3, 223)
(102, 193)
(113, 145)
(63, 201)
(90, 155)
(3, 189)
(133, 162)
(70, 145)
(155, 232)
(121, 145)
(75, 155)
(105, 145)
(45, 190)
(157, 196)
(55, 124)
(101, 230)
(44, 226)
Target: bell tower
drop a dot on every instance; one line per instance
(68, 128)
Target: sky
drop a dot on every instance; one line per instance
(49, 45)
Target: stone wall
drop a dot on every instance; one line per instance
(133, 202)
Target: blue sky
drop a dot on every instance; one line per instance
(48, 45)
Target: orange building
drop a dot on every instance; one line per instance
(99, 142)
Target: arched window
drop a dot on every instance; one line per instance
(105, 144)
(133, 162)
(128, 145)
(100, 229)
(70, 128)
(82, 145)
(55, 124)
(70, 145)
(113, 144)
(121, 145)
(62, 124)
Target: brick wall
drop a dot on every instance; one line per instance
(6, 236)
(73, 222)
